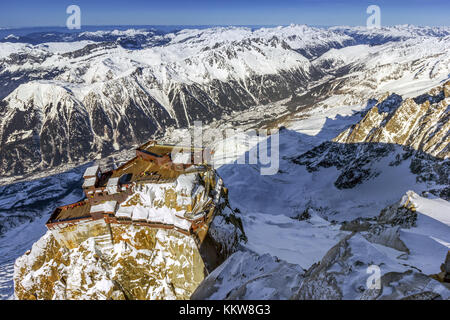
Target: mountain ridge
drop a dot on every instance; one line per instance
(110, 97)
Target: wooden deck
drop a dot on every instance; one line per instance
(162, 149)
(159, 150)
(74, 211)
(138, 170)
(145, 170)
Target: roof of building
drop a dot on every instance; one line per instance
(140, 213)
(89, 182)
(73, 211)
(105, 207)
(124, 212)
(163, 149)
(138, 167)
(181, 157)
(139, 170)
(113, 182)
(91, 171)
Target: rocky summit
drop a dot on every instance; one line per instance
(154, 235)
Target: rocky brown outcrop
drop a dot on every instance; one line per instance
(99, 259)
(344, 273)
(144, 263)
(402, 129)
(422, 124)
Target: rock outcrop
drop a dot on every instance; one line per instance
(421, 123)
(97, 259)
(143, 263)
(344, 273)
(393, 130)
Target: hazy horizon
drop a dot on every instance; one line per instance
(136, 26)
(27, 13)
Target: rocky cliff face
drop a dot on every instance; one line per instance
(394, 144)
(421, 123)
(342, 272)
(105, 97)
(375, 260)
(143, 263)
(397, 144)
(414, 130)
(98, 260)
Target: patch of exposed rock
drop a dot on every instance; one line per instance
(344, 273)
(141, 262)
(385, 229)
(420, 123)
(402, 213)
(414, 130)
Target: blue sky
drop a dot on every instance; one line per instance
(24, 13)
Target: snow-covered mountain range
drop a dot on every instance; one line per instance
(364, 144)
(66, 102)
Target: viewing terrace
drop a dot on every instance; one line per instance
(75, 211)
(105, 191)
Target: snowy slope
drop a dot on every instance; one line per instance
(430, 239)
(24, 209)
(390, 33)
(272, 205)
